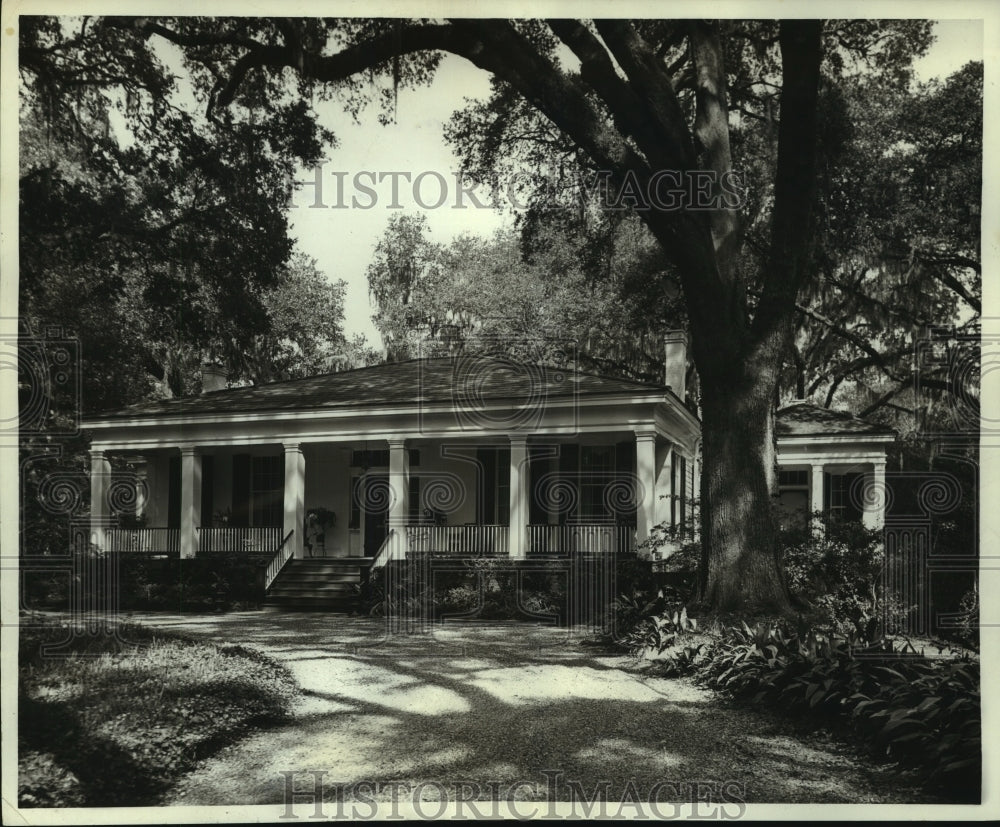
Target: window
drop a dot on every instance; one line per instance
(793, 498)
(840, 505)
(597, 472)
(793, 479)
(494, 485)
(266, 491)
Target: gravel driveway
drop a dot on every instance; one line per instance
(502, 710)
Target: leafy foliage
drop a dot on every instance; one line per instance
(529, 294)
(198, 584)
(123, 713)
(923, 715)
(836, 571)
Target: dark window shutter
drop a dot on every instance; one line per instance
(487, 462)
(502, 512)
(241, 491)
(174, 493)
(414, 499)
(827, 486)
(538, 467)
(625, 470)
(569, 473)
(852, 509)
(207, 489)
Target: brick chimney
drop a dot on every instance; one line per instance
(675, 361)
(213, 377)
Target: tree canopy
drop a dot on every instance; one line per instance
(737, 144)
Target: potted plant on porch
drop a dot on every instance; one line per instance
(318, 521)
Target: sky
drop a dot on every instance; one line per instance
(343, 240)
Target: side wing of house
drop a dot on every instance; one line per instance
(830, 463)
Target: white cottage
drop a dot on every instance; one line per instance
(445, 456)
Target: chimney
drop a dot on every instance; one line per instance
(675, 361)
(213, 377)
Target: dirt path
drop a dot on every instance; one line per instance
(495, 707)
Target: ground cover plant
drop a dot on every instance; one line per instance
(922, 714)
(836, 661)
(113, 716)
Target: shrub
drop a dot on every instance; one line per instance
(145, 582)
(967, 632)
(837, 574)
(924, 715)
(482, 588)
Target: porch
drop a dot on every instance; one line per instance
(478, 540)
(599, 494)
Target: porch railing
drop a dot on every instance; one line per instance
(581, 538)
(143, 540)
(281, 557)
(384, 551)
(458, 539)
(265, 539)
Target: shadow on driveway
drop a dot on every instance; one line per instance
(510, 711)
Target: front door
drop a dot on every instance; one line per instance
(376, 518)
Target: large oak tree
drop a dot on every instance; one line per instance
(636, 99)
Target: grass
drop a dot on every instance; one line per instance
(114, 717)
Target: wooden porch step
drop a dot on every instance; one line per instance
(318, 584)
(311, 604)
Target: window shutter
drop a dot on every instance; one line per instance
(625, 470)
(207, 489)
(538, 467)
(852, 509)
(241, 491)
(569, 473)
(174, 493)
(487, 463)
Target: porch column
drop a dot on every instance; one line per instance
(141, 485)
(518, 530)
(100, 477)
(399, 486)
(645, 471)
(816, 492)
(190, 500)
(876, 501)
(295, 499)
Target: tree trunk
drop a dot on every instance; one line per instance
(740, 568)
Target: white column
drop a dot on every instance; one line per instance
(294, 499)
(518, 530)
(875, 502)
(816, 491)
(190, 500)
(141, 485)
(100, 479)
(399, 485)
(645, 470)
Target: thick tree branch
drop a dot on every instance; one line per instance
(646, 74)
(599, 73)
